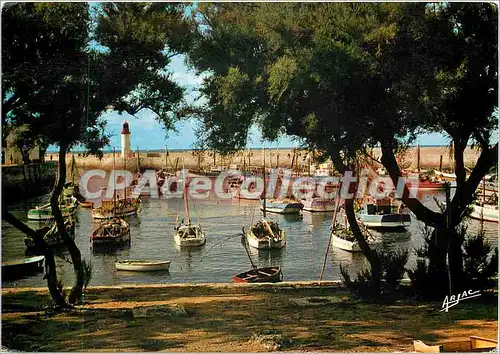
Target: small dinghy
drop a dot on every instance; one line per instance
(21, 267)
(142, 265)
(260, 275)
(471, 345)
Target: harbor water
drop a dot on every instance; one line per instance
(152, 238)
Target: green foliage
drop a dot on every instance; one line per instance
(480, 265)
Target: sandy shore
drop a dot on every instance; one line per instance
(228, 318)
(429, 159)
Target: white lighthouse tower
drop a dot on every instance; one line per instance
(125, 140)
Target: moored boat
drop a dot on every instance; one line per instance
(21, 267)
(142, 265)
(383, 214)
(119, 208)
(188, 234)
(281, 206)
(86, 204)
(115, 231)
(260, 275)
(52, 237)
(485, 212)
(44, 212)
(317, 204)
(473, 344)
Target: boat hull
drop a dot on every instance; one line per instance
(260, 275)
(265, 242)
(142, 266)
(282, 208)
(184, 238)
(343, 244)
(385, 221)
(43, 214)
(106, 234)
(485, 213)
(101, 215)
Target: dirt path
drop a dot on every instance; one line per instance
(234, 318)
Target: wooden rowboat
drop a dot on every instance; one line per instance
(473, 344)
(142, 265)
(260, 275)
(86, 204)
(21, 267)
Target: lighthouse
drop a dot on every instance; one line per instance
(125, 139)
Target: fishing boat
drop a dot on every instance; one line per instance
(317, 204)
(52, 237)
(383, 214)
(265, 235)
(473, 344)
(21, 267)
(44, 212)
(260, 275)
(485, 212)
(115, 231)
(188, 234)
(142, 265)
(281, 206)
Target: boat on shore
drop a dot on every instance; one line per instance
(260, 275)
(383, 214)
(111, 232)
(22, 267)
(142, 265)
(44, 212)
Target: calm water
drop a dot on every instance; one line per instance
(223, 255)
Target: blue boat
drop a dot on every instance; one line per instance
(383, 214)
(281, 206)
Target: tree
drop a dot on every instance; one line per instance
(345, 77)
(61, 72)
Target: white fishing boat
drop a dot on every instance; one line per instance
(486, 212)
(343, 239)
(383, 214)
(142, 265)
(188, 234)
(263, 234)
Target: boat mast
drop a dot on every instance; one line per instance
(418, 159)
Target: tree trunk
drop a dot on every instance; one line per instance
(50, 264)
(371, 255)
(76, 257)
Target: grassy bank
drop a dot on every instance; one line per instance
(234, 318)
